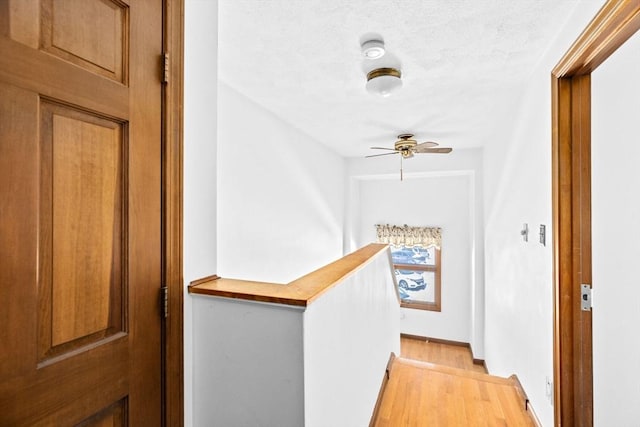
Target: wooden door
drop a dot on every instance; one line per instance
(80, 212)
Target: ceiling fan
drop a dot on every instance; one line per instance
(406, 146)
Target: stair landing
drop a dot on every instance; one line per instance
(426, 394)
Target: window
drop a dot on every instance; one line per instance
(415, 253)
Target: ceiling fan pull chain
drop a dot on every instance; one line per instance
(401, 156)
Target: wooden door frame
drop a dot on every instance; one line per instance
(616, 22)
(172, 328)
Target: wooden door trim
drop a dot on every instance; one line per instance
(571, 174)
(173, 358)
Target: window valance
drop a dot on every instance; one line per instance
(409, 236)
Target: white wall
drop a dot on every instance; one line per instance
(280, 195)
(615, 203)
(349, 333)
(248, 363)
(519, 282)
(439, 201)
(447, 196)
(200, 118)
(278, 184)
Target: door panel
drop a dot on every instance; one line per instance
(87, 214)
(81, 170)
(113, 416)
(17, 21)
(98, 42)
(80, 229)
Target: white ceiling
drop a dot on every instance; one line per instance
(461, 60)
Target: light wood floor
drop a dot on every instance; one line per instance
(420, 393)
(442, 354)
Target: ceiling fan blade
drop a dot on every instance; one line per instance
(382, 148)
(439, 150)
(383, 154)
(429, 144)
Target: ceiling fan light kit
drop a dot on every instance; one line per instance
(384, 81)
(381, 67)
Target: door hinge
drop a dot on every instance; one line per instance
(585, 297)
(164, 302)
(165, 72)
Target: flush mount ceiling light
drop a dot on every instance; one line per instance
(372, 49)
(383, 81)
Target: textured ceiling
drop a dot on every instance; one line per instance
(461, 60)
